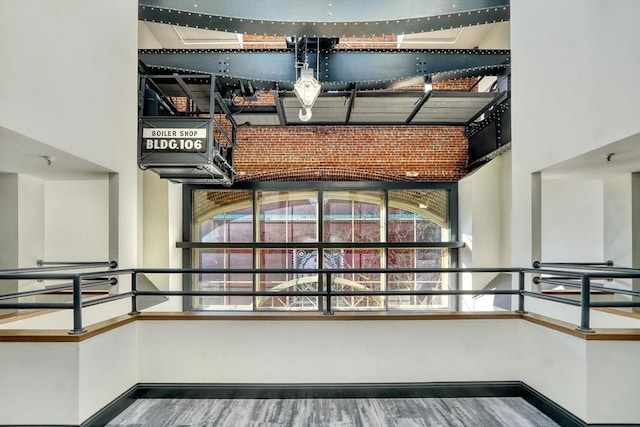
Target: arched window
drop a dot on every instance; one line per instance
(325, 227)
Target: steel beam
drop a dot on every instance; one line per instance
(370, 69)
(329, 18)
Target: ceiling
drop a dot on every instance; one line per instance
(24, 155)
(379, 73)
(154, 35)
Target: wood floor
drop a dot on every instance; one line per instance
(463, 412)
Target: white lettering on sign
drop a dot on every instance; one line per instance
(174, 139)
(173, 133)
(174, 144)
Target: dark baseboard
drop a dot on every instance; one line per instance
(109, 412)
(327, 391)
(548, 407)
(302, 391)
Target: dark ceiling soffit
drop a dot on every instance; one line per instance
(492, 99)
(324, 19)
(370, 69)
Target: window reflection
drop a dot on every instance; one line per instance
(294, 218)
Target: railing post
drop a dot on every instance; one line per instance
(327, 306)
(77, 307)
(585, 304)
(134, 293)
(521, 278)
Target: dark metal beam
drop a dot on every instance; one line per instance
(279, 108)
(371, 69)
(325, 19)
(418, 106)
(352, 100)
(188, 91)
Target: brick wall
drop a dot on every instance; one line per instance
(350, 153)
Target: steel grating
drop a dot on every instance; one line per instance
(327, 109)
(384, 108)
(453, 107)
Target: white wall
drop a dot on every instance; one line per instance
(554, 364)
(76, 218)
(35, 390)
(572, 220)
(9, 224)
(597, 381)
(613, 382)
(558, 109)
(325, 351)
(107, 368)
(72, 85)
(484, 225)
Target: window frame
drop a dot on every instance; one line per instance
(188, 227)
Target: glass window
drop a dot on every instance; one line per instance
(222, 281)
(350, 258)
(361, 229)
(296, 259)
(223, 216)
(416, 259)
(352, 216)
(288, 216)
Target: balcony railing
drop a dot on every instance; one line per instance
(574, 275)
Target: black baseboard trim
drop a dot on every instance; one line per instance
(357, 390)
(327, 391)
(109, 412)
(548, 407)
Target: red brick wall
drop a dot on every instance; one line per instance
(350, 153)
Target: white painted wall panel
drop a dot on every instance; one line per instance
(325, 351)
(39, 383)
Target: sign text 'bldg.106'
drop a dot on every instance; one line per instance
(174, 140)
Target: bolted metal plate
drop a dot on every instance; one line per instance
(336, 70)
(324, 19)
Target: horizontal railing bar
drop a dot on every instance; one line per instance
(58, 267)
(323, 270)
(31, 276)
(56, 288)
(109, 273)
(333, 293)
(106, 299)
(85, 264)
(608, 263)
(615, 304)
(18, 305)
(552, 298)
(317, 245)
(593, 287)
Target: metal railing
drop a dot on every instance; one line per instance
(568, 274)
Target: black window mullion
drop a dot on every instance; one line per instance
(254, 249)
(320, 255)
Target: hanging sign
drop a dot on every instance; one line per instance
(174, 140)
